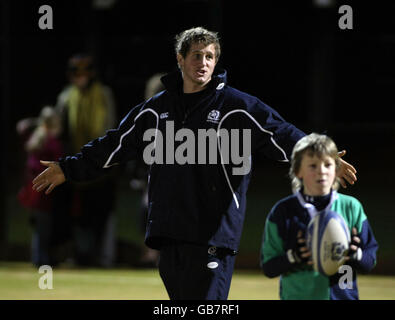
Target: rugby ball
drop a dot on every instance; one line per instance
(328, 239)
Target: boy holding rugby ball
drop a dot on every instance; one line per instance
(284, 253)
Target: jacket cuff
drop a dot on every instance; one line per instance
(63, 166)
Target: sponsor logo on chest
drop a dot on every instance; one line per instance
(164, 115)
(213, 116)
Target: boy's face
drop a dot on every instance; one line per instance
(317, 174)
(197, 67)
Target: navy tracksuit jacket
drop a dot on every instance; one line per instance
(198, 203)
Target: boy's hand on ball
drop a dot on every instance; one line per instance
(302, 253)
(354, 251)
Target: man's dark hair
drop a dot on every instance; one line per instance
(185, 39)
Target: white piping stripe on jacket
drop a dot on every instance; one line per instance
(219, 146)
(106, 165)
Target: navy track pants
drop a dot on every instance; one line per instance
(196, 272)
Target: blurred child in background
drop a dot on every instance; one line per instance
(43, 141)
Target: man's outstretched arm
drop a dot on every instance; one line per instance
(116, 146)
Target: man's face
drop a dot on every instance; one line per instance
(197, 67)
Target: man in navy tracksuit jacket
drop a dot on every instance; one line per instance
(196, 210)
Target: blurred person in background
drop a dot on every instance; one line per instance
(48, 217)
(88, 110)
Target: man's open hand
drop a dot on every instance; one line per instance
(49, 178)
(346, 171)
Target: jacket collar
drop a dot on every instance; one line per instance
(312, 210)
(173, 81)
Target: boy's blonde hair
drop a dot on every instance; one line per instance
(313, 144)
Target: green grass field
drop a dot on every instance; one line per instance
(20, 281)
